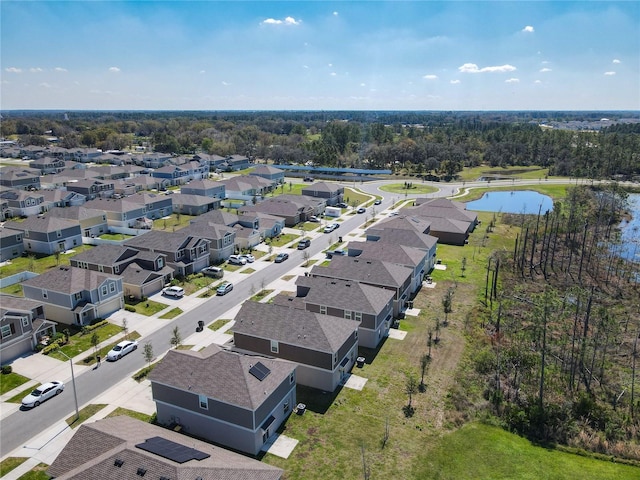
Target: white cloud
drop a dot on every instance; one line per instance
(60, 69)
(335, 14)
(226, 84)
(537, 81)
(615, 60)
(544, 70)
(45, 85)
(201, 72)
(13, 70)
(114, 69)
(35, 70)
(528, 29)
(454, 82)
(609, 73)
(333, 74)
(473, 68)
(286, 21)
(306, 67)
(512, 80)
(363, 84)
(430, 77)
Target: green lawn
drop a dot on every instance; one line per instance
(91, 358)
(147, 308)
(79, 343)
(353, 197)
(85, 413)
(399, 188)
(484, 452)
(283, 239)
(39, 472)
(15, 290)
(38, 263)
(260, 295)
(174, 222)
(174, 312)
(553, 190)
(9, 381)
(115, 236)
(130, 413)
(10, 463)
(218, 324)
(472, 174)
(17, 398)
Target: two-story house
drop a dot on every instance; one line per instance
(378, 273)
(332, 193)
(47, 165)
(450, 221)
(61, 198)
(155, 206)
(222, 239)
(93, 223)
(272, 174)
(11, 245)
(143, 273)
(92, 188)
(20, 178)
(292, 208)
(371, 306)
(22, 326)
(212, 162)
(121, 212)
(238, 401)
(324, 347)
(74, 295)
(206, 188)
(49, 235)
(193, 204)
(419, 260)
(21, 203)
(186, 253)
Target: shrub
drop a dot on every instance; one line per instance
(6, 369)
(129, 308)
(88, 328)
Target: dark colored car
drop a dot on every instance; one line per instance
(304, 243)
(224, 288)
(361, 210)
(377, 202)
(281, 257)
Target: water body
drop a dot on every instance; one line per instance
(630, 231)
(516, 201)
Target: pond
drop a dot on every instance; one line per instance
(630, 231)
(515, 201)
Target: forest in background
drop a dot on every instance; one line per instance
(411, 143)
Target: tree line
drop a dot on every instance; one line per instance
(411, 143)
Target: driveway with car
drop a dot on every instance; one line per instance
(43, 393)
(121, 349)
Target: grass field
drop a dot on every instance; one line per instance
(485, 452)
(79, 343)
(9, 381)
(39, 264)
(472, 174)
(400, 189)
(84, 414)
(174, 222)
(147, 307)
(10, 463)
(174, 312)
(36, 473)
(15, 290)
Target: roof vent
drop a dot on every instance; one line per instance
(118, 462)
(141, 471)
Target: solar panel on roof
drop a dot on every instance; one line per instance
(260, 371)
(171, 450)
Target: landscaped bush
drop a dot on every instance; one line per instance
(129, 308)
(6, 369)
(52, 346)
(89, 328)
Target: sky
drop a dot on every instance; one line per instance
(320, 55)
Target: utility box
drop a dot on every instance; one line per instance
(333, 212)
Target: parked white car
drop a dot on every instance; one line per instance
(237, 260)
(173, 291)
(121, 349)
(42, 393)
(248, 257)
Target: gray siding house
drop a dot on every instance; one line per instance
(332, 193)
(21, 203)
(235, 400)
(324, 347)
(369, 305)
(48, 234)
(75, 295)
(93, 223)
(120, 212)
(22, 326)
(370, 272)
(205, 188)
(11, 245)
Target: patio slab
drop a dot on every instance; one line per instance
(397, 334)
(355, 382)
(281, 446)
(439, 266)
(414, 312)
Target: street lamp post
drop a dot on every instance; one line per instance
(73, 382)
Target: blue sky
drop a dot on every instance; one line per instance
(317, 55)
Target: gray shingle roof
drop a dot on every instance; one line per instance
(389, 252)
(42, 224)
(75, 213)
(68, 280)
(92, 451)
(222, 375)
(409, 238)
(105, 254)
(373, 272)
(163, 241)
(345, 294)
(323, 333)
(9, 302)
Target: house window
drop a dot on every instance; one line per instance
(104, 290)
(203, 401)
(25, 321)
(45, 294)
(26, 233)
(100, 268)
(58, 233)
(112, 287)
(335, 359)
(116, 269)
(274, 346)
(292, 377)
(160, 263)
(18, 238)
(285, 407)
(357, 316)
(6, 330)
(347, 315)
(323, 309)
(77, 296)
